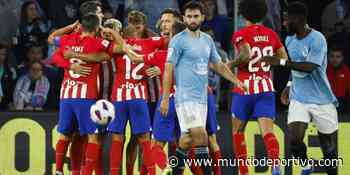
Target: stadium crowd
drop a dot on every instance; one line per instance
(28, 83)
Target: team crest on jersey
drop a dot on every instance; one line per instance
(105, 43)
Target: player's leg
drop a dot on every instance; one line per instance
(265, 111)
(99, 165)
(212, 128)
(326, 119)
(117, 128)
(298, 119)
(131, 152)
(141, 126)
(192, 118)
(163, 132)
(65, 128)
(88, 127)
(241, 108)
(76, 151)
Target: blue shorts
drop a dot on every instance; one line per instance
(212, 123)
(167, 128)
(245, 107)
(136, 112)
(73, 111)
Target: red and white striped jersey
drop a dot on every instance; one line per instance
(75, 85)
(256, 75)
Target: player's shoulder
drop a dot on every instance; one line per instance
(317, 36)
(206, 36)
(179, 36)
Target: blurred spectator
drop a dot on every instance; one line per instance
(33, 27)
(273, 17)
(220, 24)
(340, 38)
(151, 8)
(138, 20)
(339, 77)
(63, 12)
(342, 9)
(31, 89)
(7, 78)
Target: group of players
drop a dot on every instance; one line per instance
(185, 116)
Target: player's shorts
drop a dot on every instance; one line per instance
(212, 123)
(325, 117)
(191, 115)
(136, 112)
(245, 107)
(166, 128)
(76, 110)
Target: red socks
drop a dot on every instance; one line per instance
(240, 149)
(147, 157)
(272, 146)
(129, 168)
(115, 156)
(160, 158)
(91, 158)
(61, 151)
(99, 163)
(76, 154)
(216, 156)
(196, 170)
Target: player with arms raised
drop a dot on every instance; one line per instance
(252, 43)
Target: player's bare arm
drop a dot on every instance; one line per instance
(243, 56)
(281, 59)
(62, 31)
(167, 82)
(119, 42)
(92, 57)
(225, 72)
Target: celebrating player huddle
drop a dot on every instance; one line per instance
(104, 63)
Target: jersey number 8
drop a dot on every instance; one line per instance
(257, 54)
(72, 61)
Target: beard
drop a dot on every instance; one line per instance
(193, 27)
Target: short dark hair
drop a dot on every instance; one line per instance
(90, 22)
(297, 9)
(253, 10)
(137, 17)
(171, 11)
(178, 27)
(336, 48)
(89, 7)
(193, 5)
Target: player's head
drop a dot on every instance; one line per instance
(167, 19)
(296, 16)
(253, 11)
(91, 7)
(113, 24)
(193, 15)
(90, 23)
(138, 20)
(336, 57)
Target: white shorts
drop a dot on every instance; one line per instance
(325, 117)
(191, 115)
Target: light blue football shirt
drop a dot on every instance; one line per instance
(191, 56)
(310, 88)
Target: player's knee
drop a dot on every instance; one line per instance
(66, 137)
(160, 143)
(213, 144)
(143, 137)
(93, 138)
(117, 137)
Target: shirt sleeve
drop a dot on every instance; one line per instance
(317, 51)
(58, 60)
(214, 55)
(174, 51)
(277, 43)
(238, 39)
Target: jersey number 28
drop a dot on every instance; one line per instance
(258, 54)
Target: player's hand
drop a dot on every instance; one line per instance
(240, 85)
(285, 96)
(153, 71)
(271, 60)
(164, 107)
(74, 26)
(81, 70)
